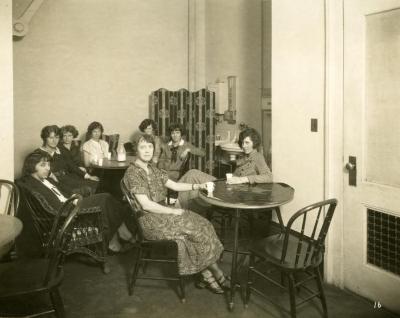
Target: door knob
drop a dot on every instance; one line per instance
(351, 166)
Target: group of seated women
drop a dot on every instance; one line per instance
(56, 170)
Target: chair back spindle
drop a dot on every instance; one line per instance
(11, 200)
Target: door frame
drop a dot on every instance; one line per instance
(334, 137)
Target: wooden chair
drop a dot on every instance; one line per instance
(297, 255)
(144, 249)
(12, 203)
(89, 236)
(30, 277)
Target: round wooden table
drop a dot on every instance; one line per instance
(10, 227)
(246, 198)
(110, 173)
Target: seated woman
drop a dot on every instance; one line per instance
(250, 168)
(36, 172)
(68, 147)
(63, 170)
(94, 148)
(149, 127)
(174, 152)
(198, 246)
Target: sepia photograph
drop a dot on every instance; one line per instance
(200, 158)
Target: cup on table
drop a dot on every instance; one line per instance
(109, 155)
(229, 175)
(100, 162)
(210, 188)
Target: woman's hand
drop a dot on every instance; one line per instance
(90, 177)
(202, 186)
(177, 211)
(184, 153)
(237, 180)
(83, 169)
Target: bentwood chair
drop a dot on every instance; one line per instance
(12, 191)
(28, 278)
(146, 247)
(297, 254)
(89, 232)
(9, 194)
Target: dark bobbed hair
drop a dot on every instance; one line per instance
(147, 138)
(176, 126)
(254, 136)
(32, 160)
(47, 130)
(92, 126)
(69, 129)
(146, 123)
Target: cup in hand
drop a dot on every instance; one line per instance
(210, 187)
(229, 175)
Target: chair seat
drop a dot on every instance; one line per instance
(25, 276)
(270, 249)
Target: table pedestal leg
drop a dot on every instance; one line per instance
(234, 274)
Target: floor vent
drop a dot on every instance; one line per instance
(383, 237)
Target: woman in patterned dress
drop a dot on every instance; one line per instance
(198, 245)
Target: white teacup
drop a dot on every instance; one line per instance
(109, 155)
(100, 162)
(210, 187)
(229, 175)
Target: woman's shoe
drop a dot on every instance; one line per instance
(213, 285)
(224, 281)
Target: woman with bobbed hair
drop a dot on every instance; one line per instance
(94, 148)
(36, 179)
(69, 149)
(64, 170)
(149, 127)
(175, 151)
(250, 168)
(198, 246)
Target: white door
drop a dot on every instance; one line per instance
(372, 136)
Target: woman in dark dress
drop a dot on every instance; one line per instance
(63, 170)
(36, 179)
(69, 149)
(198, 245)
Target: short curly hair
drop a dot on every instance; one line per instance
(32, 160)
(47, 130)
(146, 123)
(92, 126)
(176, 126)
(147, 138)
(254, 136)
(69, 129)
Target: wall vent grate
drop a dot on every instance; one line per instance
(383, 241)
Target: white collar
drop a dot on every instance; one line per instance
(180, 143)
(57, 151)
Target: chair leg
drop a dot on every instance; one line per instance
(292, 293)
(321, 291)
(57, 303)
(249, 280)
(135, 272)
(182, 289)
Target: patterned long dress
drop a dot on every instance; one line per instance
(198, 244)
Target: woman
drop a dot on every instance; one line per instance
(250, 168)
(149, 127)
(36, 172)
(198, 245)
(68, 147)
(64, 170)
(94, 148)
(174, 153)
